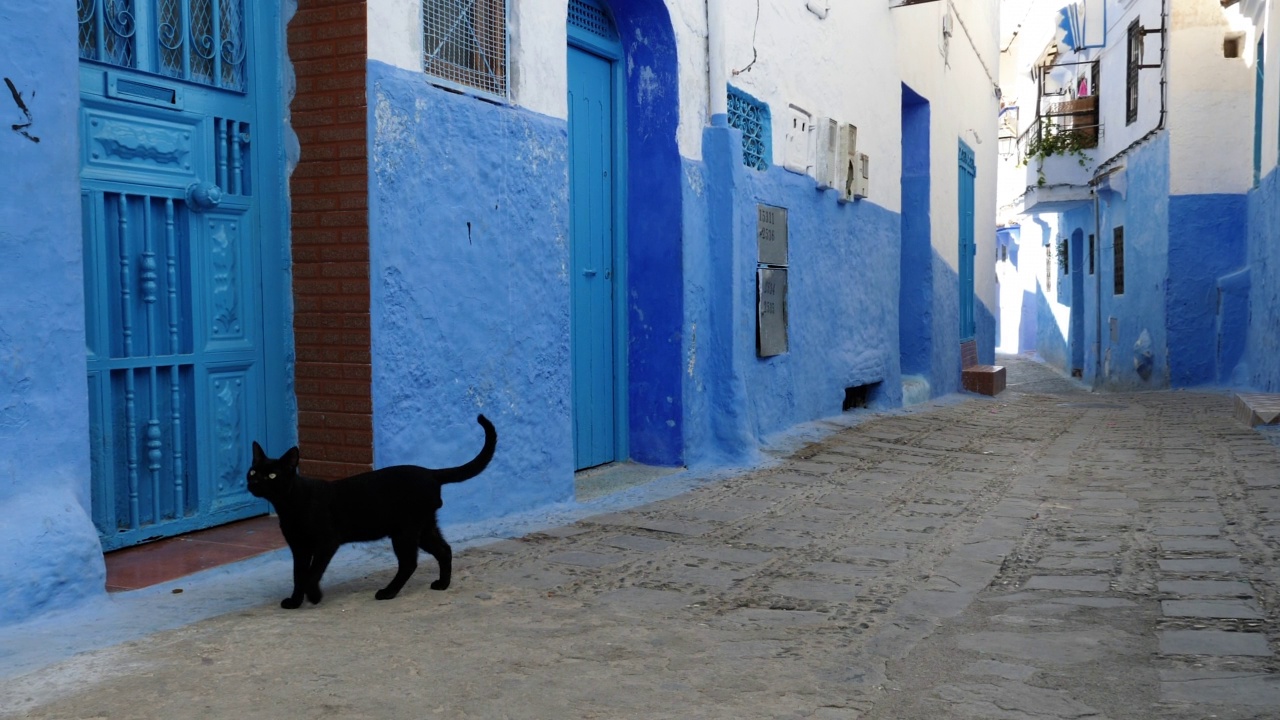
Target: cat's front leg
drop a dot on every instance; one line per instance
(301, 578)
(319, 562)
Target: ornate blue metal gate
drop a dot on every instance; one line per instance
(172, 253)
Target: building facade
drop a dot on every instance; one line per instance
(1133, 176)
(626, 231)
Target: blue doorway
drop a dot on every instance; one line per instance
(915, 301)
(178, 119)
(596, 237)
(968, 247)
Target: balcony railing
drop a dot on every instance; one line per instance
(1065, 122)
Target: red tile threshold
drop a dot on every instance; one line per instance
(172, 558)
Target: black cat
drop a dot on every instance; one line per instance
(400, 502)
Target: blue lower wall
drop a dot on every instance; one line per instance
(1260, 366)
(655, 311)
(1137, 355)
(841, 304)
(52, 557)
(469, 291)
(1206, 242)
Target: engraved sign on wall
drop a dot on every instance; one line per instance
(771, 281)
(771, 235)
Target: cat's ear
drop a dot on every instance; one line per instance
(258, 454)
(291, 458)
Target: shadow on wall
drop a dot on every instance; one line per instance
(1049, 342)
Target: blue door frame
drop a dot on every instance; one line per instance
(968, 248)
(597, 236)
(179, 124)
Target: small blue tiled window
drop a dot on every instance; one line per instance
(751, 117)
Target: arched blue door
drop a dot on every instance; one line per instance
(171, 182)
(595, 229)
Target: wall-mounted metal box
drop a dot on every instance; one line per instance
(771, 235)
(771, 311)
(771, 281)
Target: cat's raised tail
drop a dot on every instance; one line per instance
(477, 464)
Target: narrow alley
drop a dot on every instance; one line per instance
(1046, 554)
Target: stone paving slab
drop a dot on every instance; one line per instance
(1229, 609)
(1219, 588)
(1095, 564)
(1202, 565)
(1198, 545)
(1209, 687)
(1073, 583)
(1213, 642)
(1182, 530)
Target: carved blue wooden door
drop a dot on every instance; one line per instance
(172, 263)
(968, 247)
(595, 260)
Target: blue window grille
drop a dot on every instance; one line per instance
(465, 43)
(590, 16)
(751, 117)
(201, 41)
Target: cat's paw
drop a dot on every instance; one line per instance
(291, 603)
(314, 595)
(440, 584)
(385, 594)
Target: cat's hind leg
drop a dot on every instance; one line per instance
(433, 542)
(407, 555)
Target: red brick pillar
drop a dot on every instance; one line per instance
(330, 191)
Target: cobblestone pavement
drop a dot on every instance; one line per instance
(1046, 554)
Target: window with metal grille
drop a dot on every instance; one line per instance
(1119, 265)
(1135, 61)
(751, 117)
(465, 43)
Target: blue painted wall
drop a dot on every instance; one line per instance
(841, 304)
(655, 309)
(1144, 213)
(52, 557)
(915, 295)
(469, 290)
(1260, 365)
(1206, 243)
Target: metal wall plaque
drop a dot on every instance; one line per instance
(771, 235)
(771, 311)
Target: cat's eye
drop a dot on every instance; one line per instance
(271, 476)
(253, 472)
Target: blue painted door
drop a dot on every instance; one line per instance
(591, 240)
(170, 176)
(968, 248)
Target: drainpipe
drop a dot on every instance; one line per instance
(1096, 259)
(717, 76)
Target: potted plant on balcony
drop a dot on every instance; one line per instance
(1058, 141)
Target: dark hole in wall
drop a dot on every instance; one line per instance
(858, 396)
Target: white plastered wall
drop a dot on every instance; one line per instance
(1211, 101)
(840, 67)
(957, 77)
(538, 39)
(845, 66)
